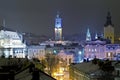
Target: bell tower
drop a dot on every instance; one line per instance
(58, 27)
(109, 28)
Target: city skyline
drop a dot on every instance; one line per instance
(39, 16)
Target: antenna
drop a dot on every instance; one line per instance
(3, 22)
(58, 13)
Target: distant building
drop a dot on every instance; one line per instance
(11, 43)
(109, 29)
(67, 57)
(36, 51)
(94, 49)
(58, 28)
(112, 51)
(101, 49)
(68, 47)
(33, 39)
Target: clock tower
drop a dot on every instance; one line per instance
(58, 28)
(109, 29)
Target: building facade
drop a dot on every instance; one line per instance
(36, 52)
(101, 49)
(11, 44)
(68, 47)
(94, 49)
(68, 58)
(112, 51)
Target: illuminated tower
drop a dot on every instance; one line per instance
(88, 36)
(109, 29)
(58, 28)
(96, 36)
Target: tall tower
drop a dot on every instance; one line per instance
(96, 36)
(58, 28)
(109, 29)
(88, 35)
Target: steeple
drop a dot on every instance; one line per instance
(58, 20)
(88, 35)
(109, 29)
(108, 21)
(96, 36)
(57, 16)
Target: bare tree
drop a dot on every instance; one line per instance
(52, 62)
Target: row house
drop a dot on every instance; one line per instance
(100, 49)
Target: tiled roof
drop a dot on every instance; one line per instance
(25, 75)
(89, 69)
(86, 67)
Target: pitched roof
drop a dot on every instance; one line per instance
(86, 67)
(25, 75)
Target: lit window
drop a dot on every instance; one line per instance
(92, 50)
(109, 54)
(95, 50)
(15, 51)
(80, 52)
(89, 50)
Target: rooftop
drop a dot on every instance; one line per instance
(86, 67)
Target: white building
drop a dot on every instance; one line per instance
(36, 52)
(67, 57)
(11, 44)
(94, 49)
(112, 51)
(102, 50)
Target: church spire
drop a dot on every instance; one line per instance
(57, 14)
(109, 29)
(96, 36)
(88, 35)
(108, 21)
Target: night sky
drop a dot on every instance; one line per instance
(37, 16)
